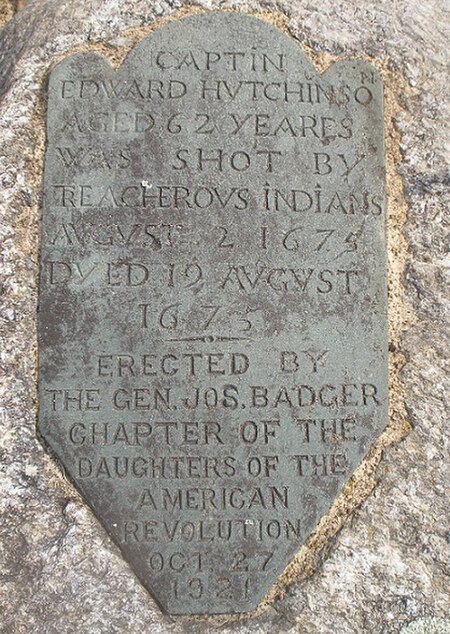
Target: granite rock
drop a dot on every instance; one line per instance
(378, 564)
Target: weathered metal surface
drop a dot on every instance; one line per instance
(213, 360)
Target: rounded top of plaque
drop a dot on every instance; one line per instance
(212, 298)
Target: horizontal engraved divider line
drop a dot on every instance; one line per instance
(210, 339)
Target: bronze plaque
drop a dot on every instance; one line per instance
(212, 319)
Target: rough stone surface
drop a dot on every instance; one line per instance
(384, 571)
